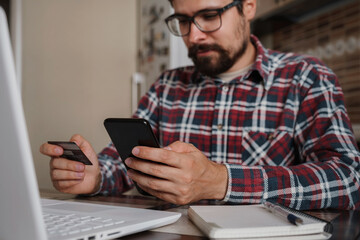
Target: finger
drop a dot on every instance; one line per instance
(181, 147)
(160, 188)
(51, 150)
(156, 184)
(64, 185)
(85, 146)
(65, 164)
(157, 155)
(57, 175)
(168, 197)
(79, 140)
(153, 169)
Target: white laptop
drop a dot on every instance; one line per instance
(22, 213)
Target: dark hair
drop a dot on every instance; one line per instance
(239, 7)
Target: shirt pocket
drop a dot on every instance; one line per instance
(273, 148)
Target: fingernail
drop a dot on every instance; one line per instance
(58, 150)
(135, 151)
(79, 174)
(80, 167)
(128, 161)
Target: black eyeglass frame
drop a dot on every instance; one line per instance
(190, 20)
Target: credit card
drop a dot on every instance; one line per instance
(72, 152)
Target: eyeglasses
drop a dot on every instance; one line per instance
(207, 20)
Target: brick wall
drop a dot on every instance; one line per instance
(334, 37)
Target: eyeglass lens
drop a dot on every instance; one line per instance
(206, 21)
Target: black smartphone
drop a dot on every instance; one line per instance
(127, 133)
(72, 151)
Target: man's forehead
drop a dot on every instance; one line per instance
(192, 6)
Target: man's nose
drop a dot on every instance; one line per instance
(196, 35)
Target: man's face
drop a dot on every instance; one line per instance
(215, 52)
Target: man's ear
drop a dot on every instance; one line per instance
(249, 9)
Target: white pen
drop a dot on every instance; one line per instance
(281, 212)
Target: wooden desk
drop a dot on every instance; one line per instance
(346, 224)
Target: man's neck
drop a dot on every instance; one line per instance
(228, 76)
(247, 59)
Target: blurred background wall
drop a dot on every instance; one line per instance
(78, 58)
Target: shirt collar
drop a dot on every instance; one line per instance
(260, 69)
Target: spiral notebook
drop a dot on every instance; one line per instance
(255, 221)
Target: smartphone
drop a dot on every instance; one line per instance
(72, 151)
(127, 133)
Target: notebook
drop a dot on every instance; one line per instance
(23, 214)
(255, 221)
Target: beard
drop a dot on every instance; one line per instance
(213, 66)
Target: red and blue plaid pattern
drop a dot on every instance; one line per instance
(282, 130)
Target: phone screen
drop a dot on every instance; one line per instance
(127, 133)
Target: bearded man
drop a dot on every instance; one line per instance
(245, 124)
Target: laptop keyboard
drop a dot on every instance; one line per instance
(68, 224)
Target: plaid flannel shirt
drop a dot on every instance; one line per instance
(281, 130)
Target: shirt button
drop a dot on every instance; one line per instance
(225, 88)
(271, 137)
(219, 126)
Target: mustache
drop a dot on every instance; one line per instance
(194, 49)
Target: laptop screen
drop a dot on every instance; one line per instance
(20, 202)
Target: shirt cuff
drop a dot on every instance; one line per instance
(245, 184)
(228, 190)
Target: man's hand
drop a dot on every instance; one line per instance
(179, 173)
(70, 176)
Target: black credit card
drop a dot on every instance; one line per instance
(72, 152)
